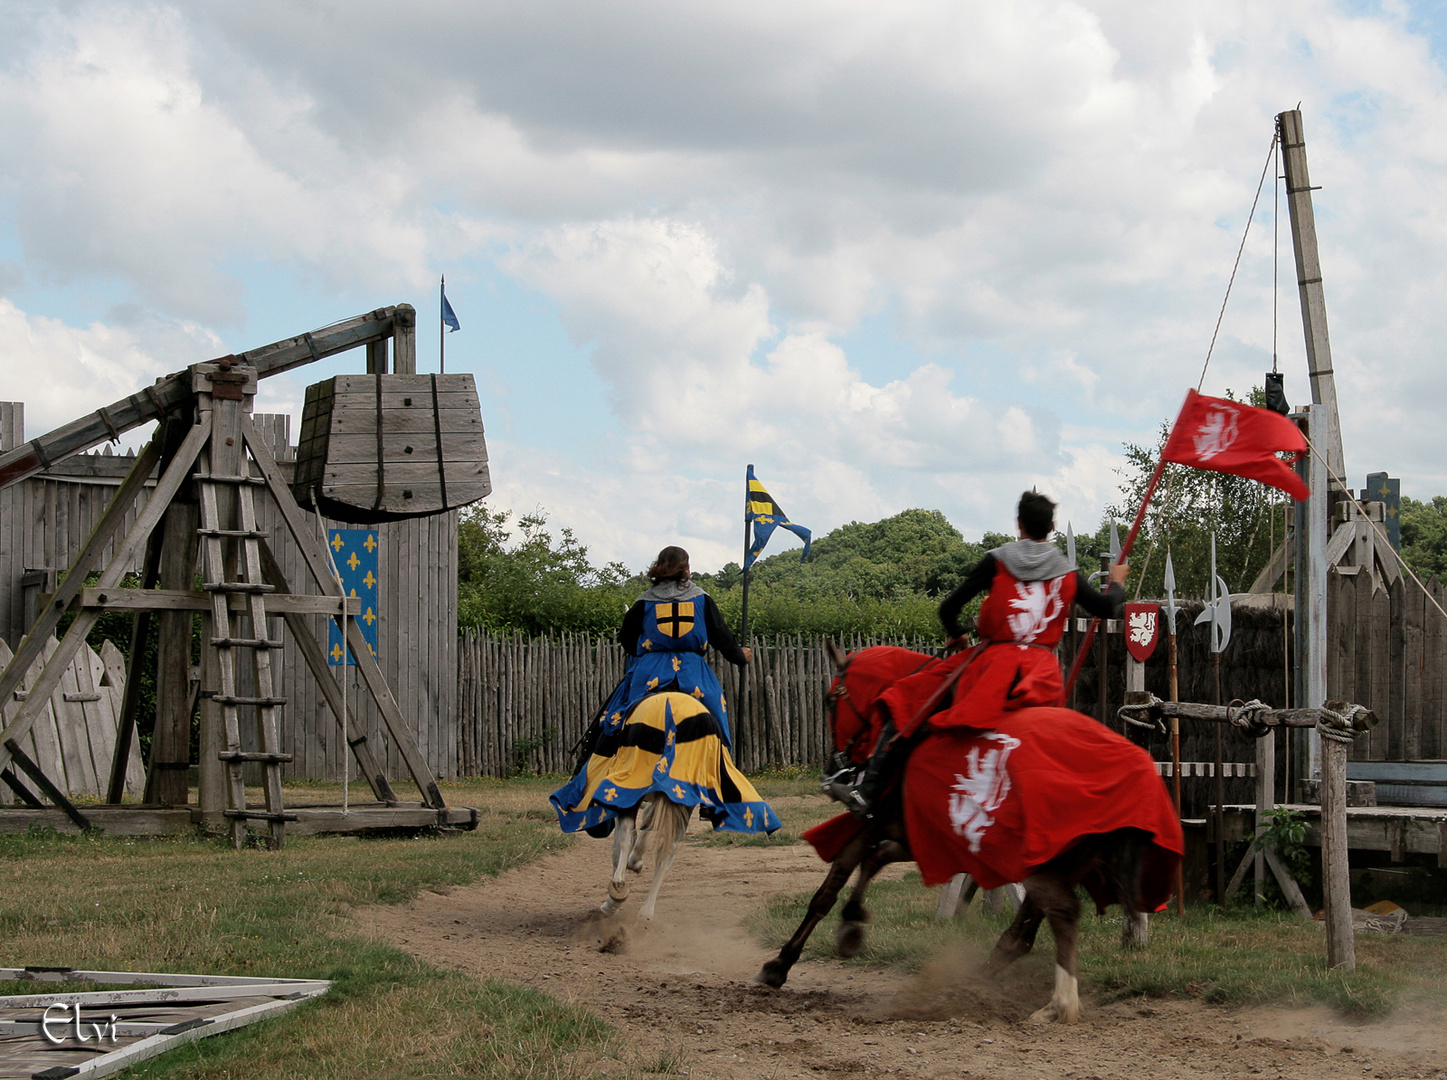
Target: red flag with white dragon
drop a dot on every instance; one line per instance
(1232, 437)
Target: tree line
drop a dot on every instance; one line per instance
(887, 578)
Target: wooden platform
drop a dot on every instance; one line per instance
(309, 820)
(1397, 830)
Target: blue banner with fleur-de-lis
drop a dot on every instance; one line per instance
(355, 553)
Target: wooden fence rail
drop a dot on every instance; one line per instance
(523, 705)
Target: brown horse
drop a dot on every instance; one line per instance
(1113, 865)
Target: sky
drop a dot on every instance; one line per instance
(917, 254)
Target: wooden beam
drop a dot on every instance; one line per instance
(316, 661)
(79, 630)
(186, 600)
(1154, 707)
(1327, 436)
(40, 780)
(172, 391)
(110, 523)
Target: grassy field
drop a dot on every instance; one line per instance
(192, 904)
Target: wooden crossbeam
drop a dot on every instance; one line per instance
(190, 600)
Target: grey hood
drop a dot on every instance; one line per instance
(1033, 560)
(672, 590)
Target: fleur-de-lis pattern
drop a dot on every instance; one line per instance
(354, 551)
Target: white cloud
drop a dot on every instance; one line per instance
(61, 372)
(1045, 197)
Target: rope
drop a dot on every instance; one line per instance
(1246, 715)
(1224, 300)
(1340, 726)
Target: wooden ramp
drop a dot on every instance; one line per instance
(97, 1032)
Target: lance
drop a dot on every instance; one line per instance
(1174, 686)
(1121, 557)
(1070, 557)
(1217, 614)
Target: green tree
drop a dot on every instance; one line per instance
(1424, 535)
(526, 581)
(883, 578)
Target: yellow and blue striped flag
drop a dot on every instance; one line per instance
(765, 515)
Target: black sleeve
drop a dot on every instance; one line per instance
(978, 581)
(719, 634)
(632, 629)
(1105, 605)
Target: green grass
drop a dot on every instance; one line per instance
(1239, 957)
(191, 904)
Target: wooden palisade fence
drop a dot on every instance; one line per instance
(523, 705)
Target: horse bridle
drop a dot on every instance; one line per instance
(840, 692)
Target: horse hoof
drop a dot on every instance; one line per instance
(773, 974)
(1055, 1013)
(849, 939)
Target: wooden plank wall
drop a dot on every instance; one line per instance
(523, 705)
(1389, 652)
(45, 520)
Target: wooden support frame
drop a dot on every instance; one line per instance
(366, 663)
(210, 439)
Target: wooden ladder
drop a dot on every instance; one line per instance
(232, 575)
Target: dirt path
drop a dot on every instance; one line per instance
(682, 987)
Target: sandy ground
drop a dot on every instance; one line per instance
(681, 989)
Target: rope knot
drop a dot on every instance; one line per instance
(1338, 721)
(1247, 715)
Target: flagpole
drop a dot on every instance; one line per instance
(441, 326)
(744, 617)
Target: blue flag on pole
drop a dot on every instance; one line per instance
(765, 515)
(449, 317)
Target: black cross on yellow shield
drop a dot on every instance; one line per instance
(674, 619)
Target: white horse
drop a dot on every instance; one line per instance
(655, 815)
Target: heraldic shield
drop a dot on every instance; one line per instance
(1142, 629)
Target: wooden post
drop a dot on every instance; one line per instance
(1135, 673)
(167, 781)
(1336, 882)
(404, 340)
(1265, 803)
(1327, 433)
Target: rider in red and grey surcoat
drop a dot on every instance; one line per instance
(1031, 589)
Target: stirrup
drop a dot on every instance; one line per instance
(853, 799)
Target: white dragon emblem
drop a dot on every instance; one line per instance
(975, 798)
(1035, 606)
(1217, 432)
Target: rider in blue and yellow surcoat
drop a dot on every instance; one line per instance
(665, 634)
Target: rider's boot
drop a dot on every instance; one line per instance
(861, 797)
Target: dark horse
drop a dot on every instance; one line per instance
(1126, 863)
